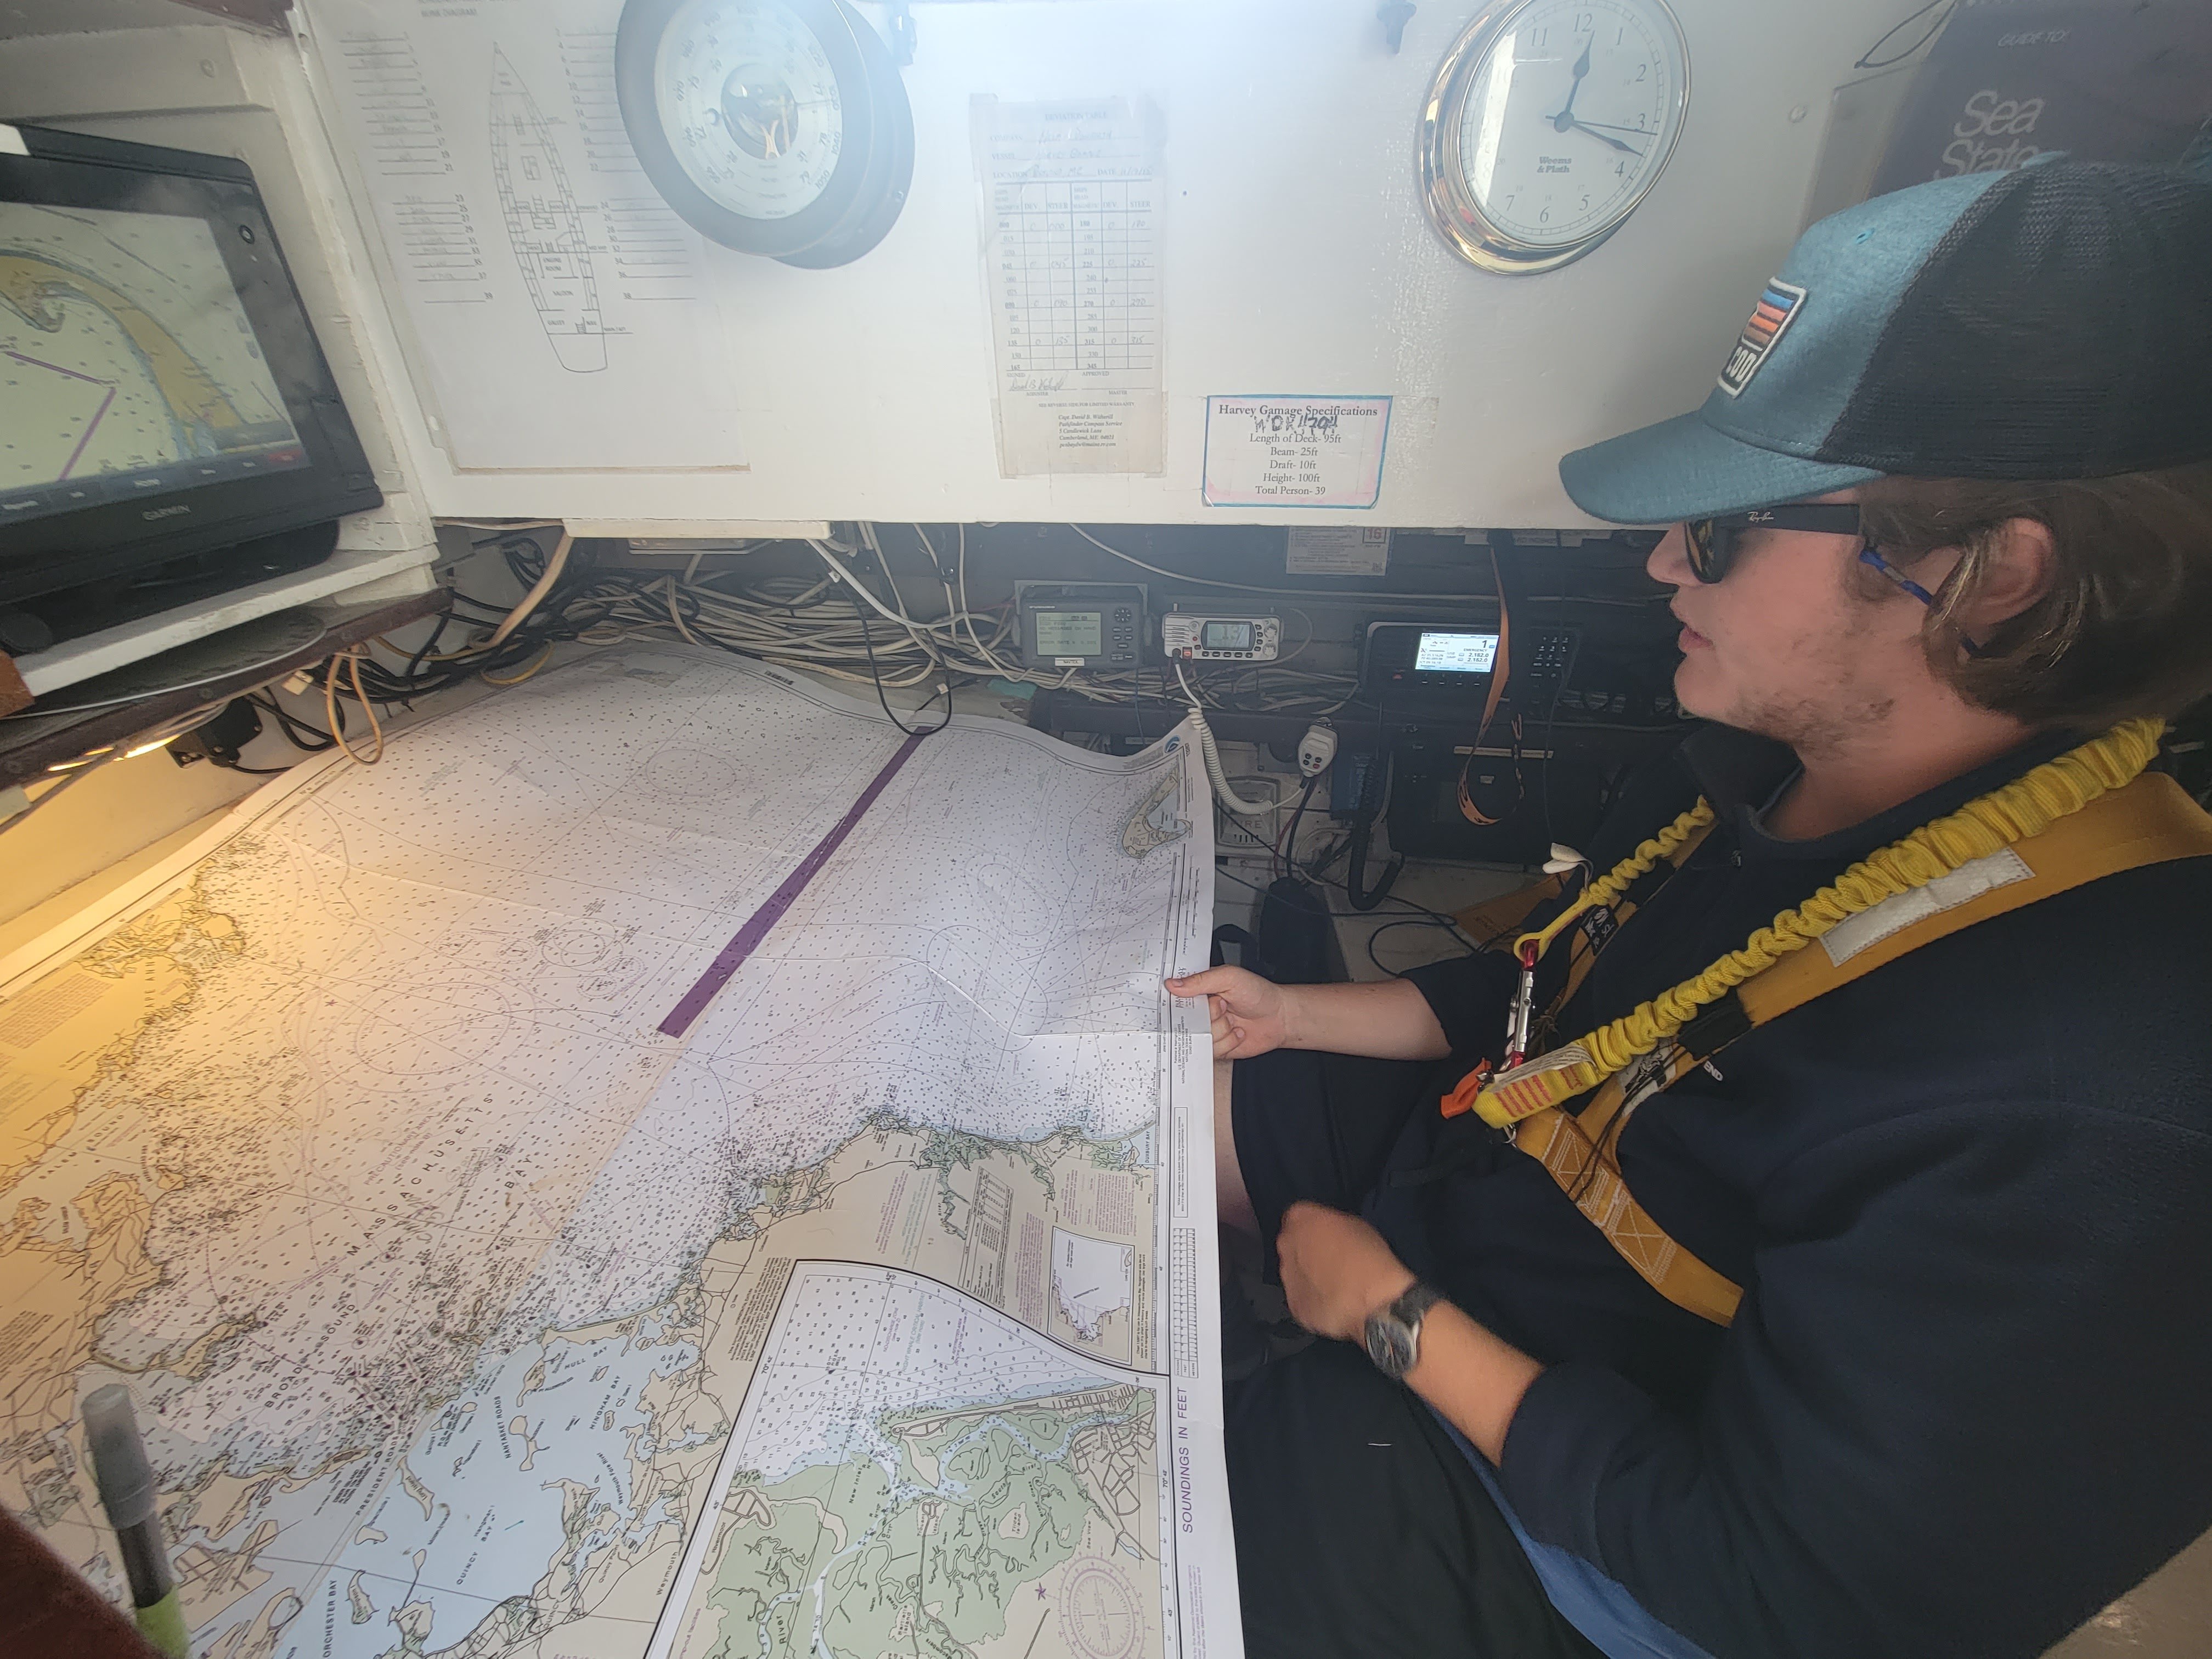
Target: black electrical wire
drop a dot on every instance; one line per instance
(582, 598)
(1365, 897)
(1364, 815)
(587, 596)
(1317, 866)
(1436, 916)
(1381, 928)
(315, 740)
(1287, 856)
(943, 685)
(1551, 754)
(429, 645)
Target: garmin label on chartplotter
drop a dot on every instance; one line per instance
(1295, 451)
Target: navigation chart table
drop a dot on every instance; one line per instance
(474, 1302)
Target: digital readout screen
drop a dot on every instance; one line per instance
(1225, 636)
(1070, 633)
(1454, 654)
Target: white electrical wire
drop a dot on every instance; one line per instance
(1224, 791)
(774, 620)
(1361, 598)
(957, 607)
(940, 640)
(782, 620)
(899, 605)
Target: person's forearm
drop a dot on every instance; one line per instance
(1391, 1020)
(1474, 1377)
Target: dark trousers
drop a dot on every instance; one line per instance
(1361, 1528)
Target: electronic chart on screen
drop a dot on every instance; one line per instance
(1071, 633)
(128, 365)
(1454, 654)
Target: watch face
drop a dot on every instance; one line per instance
(1389, 1345)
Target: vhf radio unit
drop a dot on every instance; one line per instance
(1186, 637)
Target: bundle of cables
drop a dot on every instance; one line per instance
(852, 622)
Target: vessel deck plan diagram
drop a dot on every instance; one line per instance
(543, 224)
(553, 311)
(467, 1312)
(122, 348)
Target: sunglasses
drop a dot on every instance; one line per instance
(1713, 543)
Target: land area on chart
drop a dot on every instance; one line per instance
(124, 349)
(444, 1280)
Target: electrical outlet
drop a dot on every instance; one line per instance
(1234, 834)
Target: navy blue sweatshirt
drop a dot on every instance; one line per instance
(1969, 1198)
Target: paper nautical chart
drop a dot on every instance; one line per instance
(466, 1311)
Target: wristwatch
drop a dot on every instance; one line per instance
(1394, 1332)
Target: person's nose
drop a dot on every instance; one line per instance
(1670, 561)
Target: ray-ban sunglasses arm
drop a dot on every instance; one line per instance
(1713, 543)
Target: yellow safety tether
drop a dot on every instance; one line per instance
(2023, 808)
(1617, 881)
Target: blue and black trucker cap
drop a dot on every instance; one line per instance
(2052, 322)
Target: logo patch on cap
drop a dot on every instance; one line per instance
(1769, 317)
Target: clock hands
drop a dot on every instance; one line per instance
(1565, 118)
(1637, 132)
(1606, 138)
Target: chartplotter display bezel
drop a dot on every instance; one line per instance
(112, 524)
(1396, 653)
(1056, 614)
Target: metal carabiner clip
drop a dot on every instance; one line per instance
(1521, 1015)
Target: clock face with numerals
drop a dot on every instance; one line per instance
(774, 126)
(1547, 123)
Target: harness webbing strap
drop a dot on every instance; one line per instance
(1981, 832)
(1617, 914)
(2150, 820)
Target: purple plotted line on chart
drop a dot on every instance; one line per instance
(748, 938)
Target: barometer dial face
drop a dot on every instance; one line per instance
(746, 93)
(774, 126)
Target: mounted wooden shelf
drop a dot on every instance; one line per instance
(30, 743)
(116, 647)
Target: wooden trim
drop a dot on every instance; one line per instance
(25, 753)
(13, 694)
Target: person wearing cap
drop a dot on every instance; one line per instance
(1817, 1267)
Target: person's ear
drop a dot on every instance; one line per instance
(2013, 571)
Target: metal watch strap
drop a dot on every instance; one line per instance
(1393, 1334)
